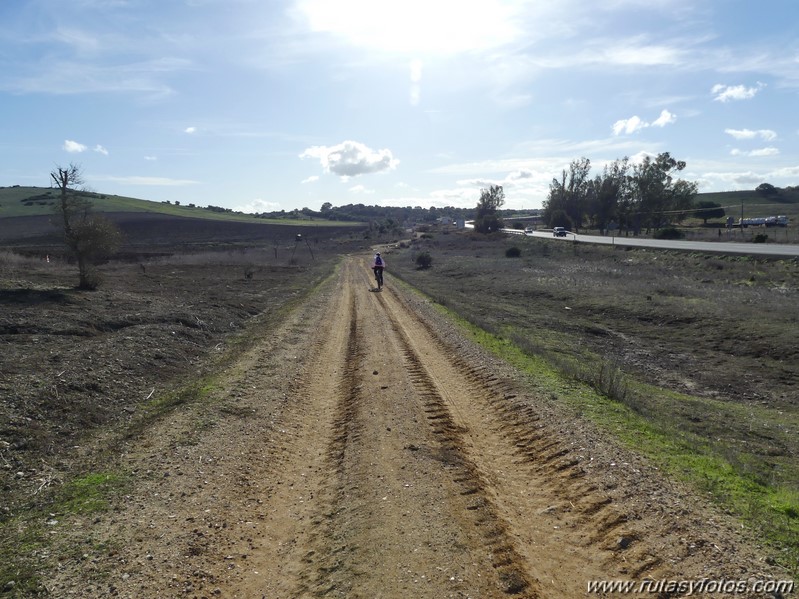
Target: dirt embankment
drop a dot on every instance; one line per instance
(365, 449)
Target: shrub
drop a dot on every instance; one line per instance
(513, 252)
(669, 233)
(760, 238)
(424, 260)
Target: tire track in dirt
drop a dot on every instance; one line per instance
(298, 507)
(434, 515)
(509, 565)
(534, 481)
(329, 566)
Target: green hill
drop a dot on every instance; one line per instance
(37, 201)
(41, 201)
(754, 204)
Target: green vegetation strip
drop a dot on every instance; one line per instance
(771, 509)
(25, 544)
(90, 493)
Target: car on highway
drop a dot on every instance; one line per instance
(528, 231)
(559, 232)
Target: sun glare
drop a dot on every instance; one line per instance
(418, 27)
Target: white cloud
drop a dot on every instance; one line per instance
(460, 197)
(510, 100)
(258, 205)
(791, 172)
(481, 183)
(361, 189)
(73, 147)
(730, 180)
(635, 123)
(151, 158)
(351, 158)
(79, 77)
(520, 174)
(524, 192)
(725, 93)
(766, 134)
(522, 187)
(190, 130)
(665, 118)
(310, 179)
(636, 51)
(769, 151)
(628, 126)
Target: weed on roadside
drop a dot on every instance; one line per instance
(27, 546)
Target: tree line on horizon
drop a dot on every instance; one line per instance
(365, 213)
(628, 196)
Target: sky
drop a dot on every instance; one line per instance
(263, 105)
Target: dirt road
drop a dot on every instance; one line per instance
(367, 450)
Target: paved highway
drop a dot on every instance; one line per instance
(725, 247)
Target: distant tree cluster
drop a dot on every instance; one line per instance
(767, 190)
(787, 194)
(379, 214)
(630, 196)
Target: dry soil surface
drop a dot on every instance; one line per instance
(366, 449)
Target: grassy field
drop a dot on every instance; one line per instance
(754, 204)
(690, 358)
(38, 201)
(747, 204)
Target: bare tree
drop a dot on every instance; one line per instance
(89, 236)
